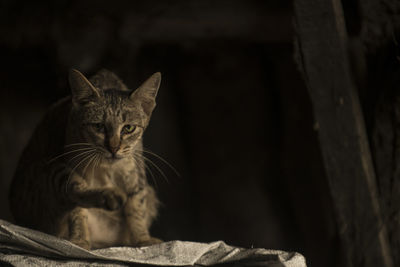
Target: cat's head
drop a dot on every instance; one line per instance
(110, 120)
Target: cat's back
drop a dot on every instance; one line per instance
(49, 136)
(28, 183)
(105, 79)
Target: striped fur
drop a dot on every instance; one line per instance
(82, 175)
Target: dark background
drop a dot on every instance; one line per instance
(233, 116)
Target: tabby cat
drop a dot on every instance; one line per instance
(82, 175)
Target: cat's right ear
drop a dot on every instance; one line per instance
(82, 90)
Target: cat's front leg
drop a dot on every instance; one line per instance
(109, 198)
(78, 229)
(140, 210)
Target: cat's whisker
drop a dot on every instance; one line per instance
(147, 168)
(162, 159)
(93, 156)
(154, 165)
(101, 150)
(128, 153)
(73, 169)
(96, 164)
(98, 149)
(127, 148)
(79, 144)
(100, 160)
(96, 158)
(67, 153)
(151, 175)
(81, 154)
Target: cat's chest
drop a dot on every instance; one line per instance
(121, 174)
(106, 228)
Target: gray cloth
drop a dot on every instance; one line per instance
(25, 247)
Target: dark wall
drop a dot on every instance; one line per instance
(233, 114)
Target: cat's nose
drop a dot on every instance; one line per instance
(114, 143)
(114, 149)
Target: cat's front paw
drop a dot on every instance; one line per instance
(112, 199)
(149, 242)
(82, 243)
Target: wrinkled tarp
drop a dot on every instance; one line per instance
(20, 246)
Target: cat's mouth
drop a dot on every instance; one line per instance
(113, 157)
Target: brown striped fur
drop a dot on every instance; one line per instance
(82, 175)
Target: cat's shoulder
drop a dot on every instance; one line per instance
(105, 79)
(59, 109)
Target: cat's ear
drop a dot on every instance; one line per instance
(81, 88)
(147, 92)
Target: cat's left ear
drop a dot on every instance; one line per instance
(81, 88)
(147, 92)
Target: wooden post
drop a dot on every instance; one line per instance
(322, 51)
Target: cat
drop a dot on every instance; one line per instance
(82, 175)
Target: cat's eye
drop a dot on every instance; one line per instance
(98, 127)
(127, 129)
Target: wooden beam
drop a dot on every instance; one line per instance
(322, 55)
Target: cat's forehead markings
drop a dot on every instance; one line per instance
(115, 115)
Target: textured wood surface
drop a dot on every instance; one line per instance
(322, 55)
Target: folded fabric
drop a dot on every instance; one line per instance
(21, 246)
